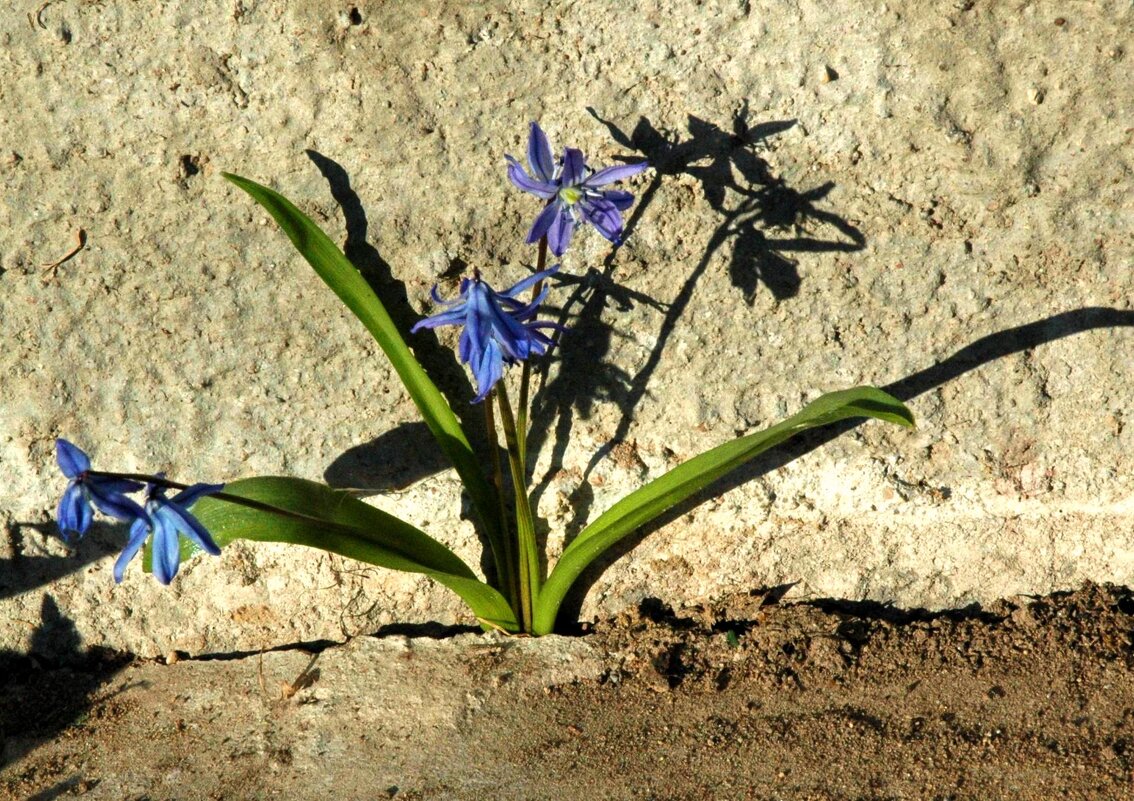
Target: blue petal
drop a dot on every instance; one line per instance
(539, 154)
(109, 485)
(167, 548)
(451, 317)
(539, 336)
(531, 280)
(493, 324)
(574, 167)
(520, 180)
(540, 343)
(510, 335)
(74, 512)
(559, 234)
(525, 313)
(621, 200)
(603, 216)
(475, 328)
(543, 222)
(464, 347)
(436, 295)
(138, 533)
(72, 461)
(108, 498)
(618, 172)
(191, 527)
(506, 303)
(188, 497)
(546, 324)
(488, 370)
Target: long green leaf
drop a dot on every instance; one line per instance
(342, 276)
(318, 516)
(643, 505)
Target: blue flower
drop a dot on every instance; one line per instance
(572, 196)
(499, 328)
(167, 518)
(106, 493)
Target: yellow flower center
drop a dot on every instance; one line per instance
(571, 195)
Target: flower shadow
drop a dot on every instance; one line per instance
(22, 571)
(726, 165)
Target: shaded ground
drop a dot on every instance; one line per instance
(1027, 699)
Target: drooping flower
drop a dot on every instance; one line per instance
(106, 493)
(573, 197)
(167, 518)
(499, 329)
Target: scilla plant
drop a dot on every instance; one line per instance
(499, 329)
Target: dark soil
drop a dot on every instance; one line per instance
(1031, 698)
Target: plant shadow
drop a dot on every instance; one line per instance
(51, 687)
(390, 462)
(22, 572)
(752, 204)
(410, 445)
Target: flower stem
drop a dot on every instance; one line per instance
(220, 496)
(529, 573)
(505, 561)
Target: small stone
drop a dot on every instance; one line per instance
(1036, 95)
(829, 74)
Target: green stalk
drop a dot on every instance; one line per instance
(506, 561)
(220, 496)
(525, 525)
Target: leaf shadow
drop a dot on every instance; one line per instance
(390, 462)
(438, 361)
(979, 352)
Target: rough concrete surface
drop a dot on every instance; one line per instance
(930, 197)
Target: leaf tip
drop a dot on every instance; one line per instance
(885, 406)
(240, 181)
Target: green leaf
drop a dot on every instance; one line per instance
(643, 505)
(342, 276)
(308, 513)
